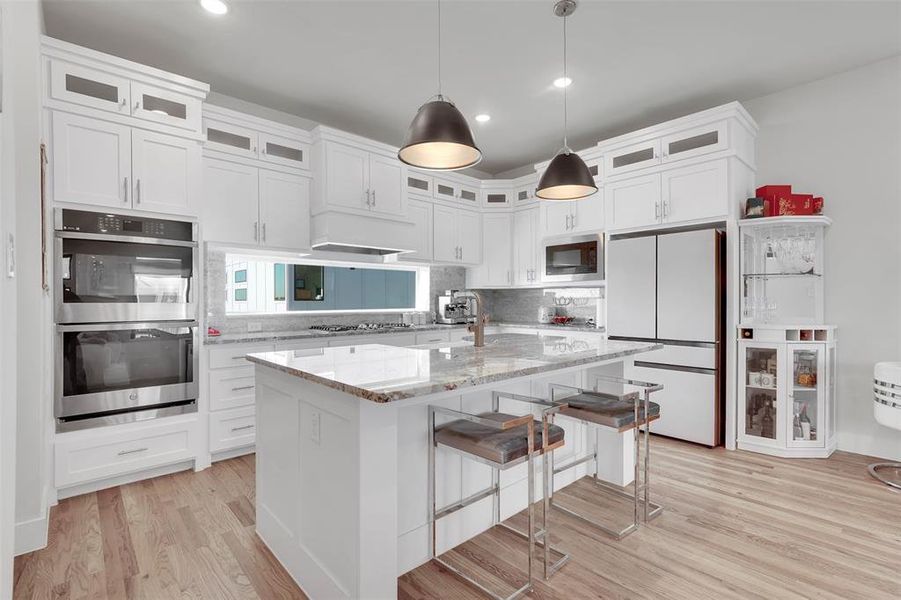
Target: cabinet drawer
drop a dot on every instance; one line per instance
(89, 456)
(164, 106)
(688, 404)
(432, 337)
(284, 151)
(231, 388)
(233, 139)
(88, 87)
(233, 356)
(232, 429)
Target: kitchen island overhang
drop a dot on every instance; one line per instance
(342, 440)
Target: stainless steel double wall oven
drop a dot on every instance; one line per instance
(126, 308)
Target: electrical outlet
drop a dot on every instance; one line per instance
(254, 327)
(316, 426)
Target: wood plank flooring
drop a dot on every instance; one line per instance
(736, 525)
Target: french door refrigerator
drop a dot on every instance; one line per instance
(669, 288)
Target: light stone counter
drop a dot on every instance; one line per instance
(386, 373)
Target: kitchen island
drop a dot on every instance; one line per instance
(342, 448)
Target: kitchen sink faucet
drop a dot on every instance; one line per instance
(477, 328)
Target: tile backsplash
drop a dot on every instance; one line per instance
(522, 306)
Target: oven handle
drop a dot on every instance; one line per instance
(127, 239)
(121, 326)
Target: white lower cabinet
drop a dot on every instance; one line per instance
(255, 207)
(90, 455)
(496, 269)
(231, 429)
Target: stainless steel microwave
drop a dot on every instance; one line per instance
(572, 258)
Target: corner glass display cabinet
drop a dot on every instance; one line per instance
(786, 391)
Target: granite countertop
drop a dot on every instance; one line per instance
(387, 373)
(309, 334)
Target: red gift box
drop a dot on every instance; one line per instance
(772, 196)
(796, 204)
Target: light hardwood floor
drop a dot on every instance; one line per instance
(736, 525)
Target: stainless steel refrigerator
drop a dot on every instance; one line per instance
(669, 288)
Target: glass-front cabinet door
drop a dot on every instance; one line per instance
(762, 381)
(806, 424)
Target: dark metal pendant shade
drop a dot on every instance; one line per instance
(439, 139)
(566, 178)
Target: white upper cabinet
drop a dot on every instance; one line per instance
(165, 106)
(357, 179)
(457, 235)
(284, 151)
(227, 137)
(166, 171)
(386, 182)
(695, 192)
(469, 226)
(573, 216)
(284, 210)
(454, 191)
(497, 198)
(632, 157)
(588, 213)
(110, 165)
(230, 202)
(247, 206)
(525, 246)
(89, 87)
(90, 161)
(633, 202)
(694, 142)
(346, 177)
(496, 268)
(419, 184)
(420, 213)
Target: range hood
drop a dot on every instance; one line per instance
(349, 233)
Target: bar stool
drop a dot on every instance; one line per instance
(623, 412)
(501, 441)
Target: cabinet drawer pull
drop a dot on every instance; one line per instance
(238, 357)
(135, 451)
(242, 427)
(243, 387)
(264, 232)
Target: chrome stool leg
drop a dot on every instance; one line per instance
(641, 475)
(875, 469)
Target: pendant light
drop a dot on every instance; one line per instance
(439, 138)
(567, 176)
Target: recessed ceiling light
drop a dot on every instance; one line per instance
(483, 118)
(562, 82)
(217, 7)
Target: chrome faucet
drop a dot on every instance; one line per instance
(477, 328)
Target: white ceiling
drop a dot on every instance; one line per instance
(366, 66)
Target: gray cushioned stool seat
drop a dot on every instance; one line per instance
(493, 444)
(608, 410)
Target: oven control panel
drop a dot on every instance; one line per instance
(125, 225)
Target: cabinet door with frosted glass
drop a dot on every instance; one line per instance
(806, 423)
(762, 384)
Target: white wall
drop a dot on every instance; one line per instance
(22, 26)
(840, 138)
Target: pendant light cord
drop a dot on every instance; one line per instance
(439, 51)
(565, 85)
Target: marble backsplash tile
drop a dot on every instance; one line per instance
(522, 306)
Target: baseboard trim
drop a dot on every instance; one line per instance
(31, 535)
(93, 486)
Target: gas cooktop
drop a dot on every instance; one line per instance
(360, 327)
